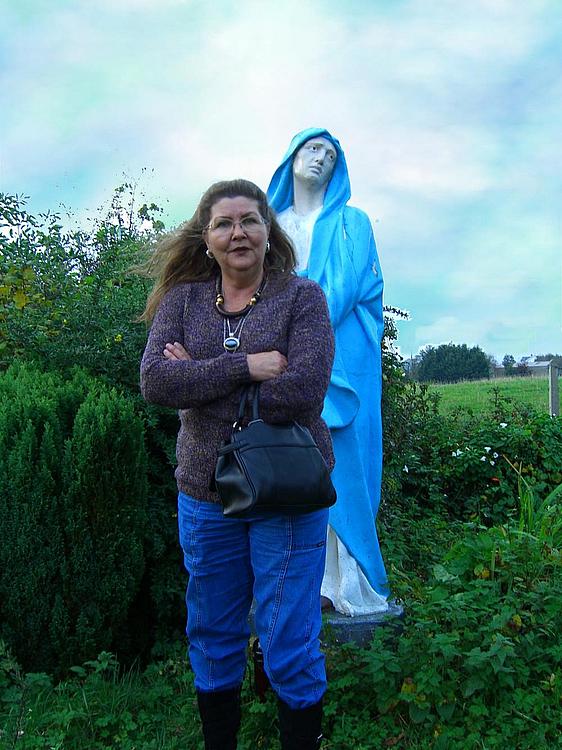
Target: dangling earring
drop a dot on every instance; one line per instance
(209, 254)
(267, 247)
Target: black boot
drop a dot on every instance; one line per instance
(220, 717)
(301, 728)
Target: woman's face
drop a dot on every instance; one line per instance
(237, 235)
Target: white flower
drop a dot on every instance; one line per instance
(405, 469)
(495, 455)
(492, 463)
(456, 453)
(483, 458)
(503, 424)
(487, 448)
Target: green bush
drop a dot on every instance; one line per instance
(460, 463)
(477, 664)
(73, 514)
(67, 296)
(407, 409)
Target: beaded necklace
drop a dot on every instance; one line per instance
(232, 337)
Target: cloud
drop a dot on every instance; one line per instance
(449, 115)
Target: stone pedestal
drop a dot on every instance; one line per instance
(361, 628)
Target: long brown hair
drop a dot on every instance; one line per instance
(180, 256)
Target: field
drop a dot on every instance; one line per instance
(478, 394)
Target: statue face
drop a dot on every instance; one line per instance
(314, 162)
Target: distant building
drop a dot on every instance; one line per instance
(528, 366)
(538, 369)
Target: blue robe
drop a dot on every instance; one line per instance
(343, 260)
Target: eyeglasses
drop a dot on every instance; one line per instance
(249, 225)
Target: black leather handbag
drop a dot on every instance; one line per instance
(271, 467)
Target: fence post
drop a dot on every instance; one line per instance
(553, 390)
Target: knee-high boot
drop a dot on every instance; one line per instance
(301, 728)
(220, 717)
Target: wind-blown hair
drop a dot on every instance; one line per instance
(181, 255)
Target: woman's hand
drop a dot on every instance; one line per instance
(175, 351)
(266, 365)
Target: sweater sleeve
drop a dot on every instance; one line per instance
(184, 384)
(299, 392)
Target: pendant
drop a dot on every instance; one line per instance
(231, 343)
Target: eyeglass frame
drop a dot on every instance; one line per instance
(261, 221)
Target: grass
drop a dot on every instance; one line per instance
(477, 395)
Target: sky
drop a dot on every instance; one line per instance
(449, 113)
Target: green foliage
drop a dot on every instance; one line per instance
(101, 706)
(477, 663)
(407, 407)
(450, 363)
(461, 463)
(469, 528)
(73, 513)
(541, 519)
(67, 297)
(457, 461)
(453, 459)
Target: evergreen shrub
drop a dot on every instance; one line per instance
(69, 296)
(73, 515)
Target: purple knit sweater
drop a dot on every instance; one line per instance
(291, 317)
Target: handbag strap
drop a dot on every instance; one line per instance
(255, 402)
(249, 395)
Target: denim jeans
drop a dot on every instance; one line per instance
(276, 559)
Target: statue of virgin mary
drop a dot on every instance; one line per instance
(335, 247)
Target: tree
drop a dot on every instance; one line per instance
(492, 363)
(521, 370)
(73, 516)
(508, 363)
(450, 363)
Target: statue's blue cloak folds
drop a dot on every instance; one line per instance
(344, 261)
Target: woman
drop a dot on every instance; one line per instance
(227, 311)
(335, 247)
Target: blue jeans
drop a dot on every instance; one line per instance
(279, 561)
